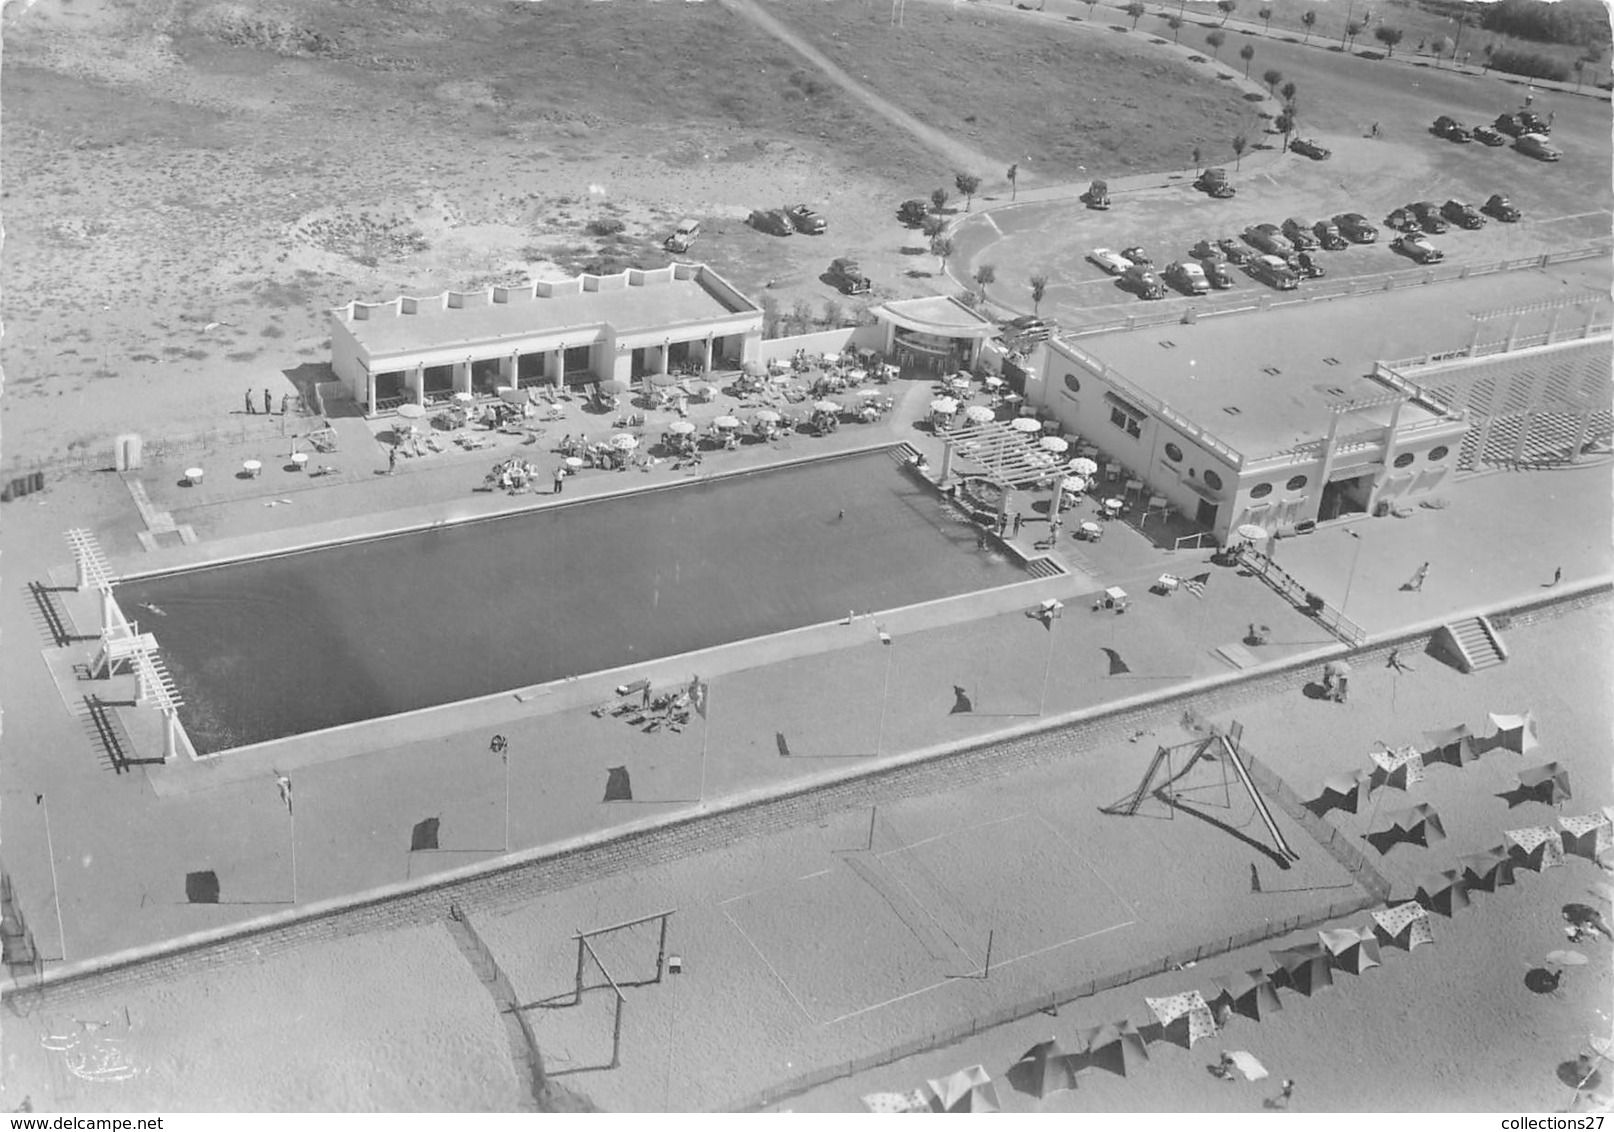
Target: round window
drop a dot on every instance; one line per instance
(1261, 491)
(1173, 453)
(1404, 460)
(1072, 384)
(1213, 481)
(1295, 483)
(1439, 452)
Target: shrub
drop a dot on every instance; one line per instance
(608, 226)
(1532, 64)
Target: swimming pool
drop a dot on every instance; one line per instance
(300, 642)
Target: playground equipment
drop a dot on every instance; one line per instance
(586, 953)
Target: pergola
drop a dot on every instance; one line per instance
(1004, 455)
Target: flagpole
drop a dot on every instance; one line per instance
(292, 814)
(885, 693)
(55, 887)
(1048, 666)
(706, 733)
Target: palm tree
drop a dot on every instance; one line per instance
(1289, 89)
(1247, 53)
(1216, 39)
(1039, 287)
(1227, 8)
(985, 276)
(1175, 24)
(1308, 19)
(1266, 16)
(1014, 176)
(942, 248)
(1136, 10)
(1199, 159)
(1272, 78)
(1240, 143)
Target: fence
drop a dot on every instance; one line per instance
(1323, 832)
(84, 456)
(1300, 597)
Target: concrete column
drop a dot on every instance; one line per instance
(170, 734)
(1580, 437)
(1552, 324)
(1327, 465)
(462, 376)
(1524, 435)
(1513, 331)
(556, 367)
(369, 394)
(707, 356)
(510, 369)
(661, 356)
(947, 461)
(417, 384)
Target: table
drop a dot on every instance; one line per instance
(252, 467)
(1090, 531)
(1114, 506)
(300, 459)
(193, 476)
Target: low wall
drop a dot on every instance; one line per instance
(822, 342)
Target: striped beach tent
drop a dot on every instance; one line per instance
(1405, 926)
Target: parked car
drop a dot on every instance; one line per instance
(1523, 122)
(1304, 265)
(1462, 215)
(1138, 256)
(1267, 239)
(1538, 147)
(1143, 282)
(1308, 147)
(773, 221)
(1299, 234)
(1451, 129)
(1187, 276)
(687, 232)
(1098, 195)
(848, 277)
(913, 212)
(1416, 246)
(1214, 182)
(1356, 228)
(1427, 213)
(1110, 260)
(1402, 220)
(1218, 274)
(1500, 207)
(1236, 251)
(1208, 251)
(1026, 330)
(1327, 233)
(1274, 272)
(806, 220)
(1490, 135)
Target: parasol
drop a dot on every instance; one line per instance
(827, 406)
(946, 406)
(611, 387)
(1337, 668)
(1073, 484)
(727, 422)
(1252, 531)
(681, 428)
(662, 380)
(1054, 444)
(1026, 424)
(1082, 466)
(993, 382)
(1566, 959)
(979, 414)
(624, 442)
(753, 369)
(411, 411)
(869, 393)
(767, 416)
(574, 461)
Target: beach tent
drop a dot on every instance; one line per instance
(1454, 746)
(1341, 792)
(1044, 1068)
(1404, 926)
(1116, 1046)
(1418, 825)
(1399, 767)
(912, 1101)
(1536, 848)
(1442, 892)
(1547, 783)
(1488, 870)
(968, 1090)
(1249, 993)
(1350, 949)
(1306, 968)
(1589, 835)
(1516, 733)
(1183, 1018)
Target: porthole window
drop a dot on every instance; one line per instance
(1213, 481)
(1261, 491)
(1173, 453)
(1295, 483)
(1404, 460)
(1072, 384)
(1439, 452)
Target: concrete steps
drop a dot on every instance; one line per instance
(1471, 644)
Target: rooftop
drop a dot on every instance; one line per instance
(937, 314)
(1263, 382)
(630, 302)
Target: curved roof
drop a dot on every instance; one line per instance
(938, 314)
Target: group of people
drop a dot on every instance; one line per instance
(514, 475)
(268, 403)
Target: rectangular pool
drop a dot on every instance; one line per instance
(300, 642)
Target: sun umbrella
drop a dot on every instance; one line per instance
(574, 461)
(827, 406)
(1566, 959)
(681, 428)
(1083, 466)
(869, 393)
(1026, 424)
(944, 405)
(662, 380)
(611, 386)
(411, 411)
(753, 369)
(768, 416)
(1337, 668)
(978, 414)
(1073, 484)
(993, 382)
(623, 442)
(727, 422)
(1252, 531)
(1054, 444)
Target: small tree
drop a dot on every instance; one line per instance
(1227, 7)
(1175, 24)
(1580, 71)
(933, 226)
(1247, 53)
(1216, 39)
(1389, 37)
(1199, 159)
(1240, 143)
(833, 314)
(1266, 17)
(985, 276)
(1014, 176)
(1308, 20)
(1272, 78)
(1488, 49)
(1352, 30)
(938, 199)
(1285, 124)
(967, 184)
(801, 316)
(1440, 46)
(770, 316)
(1289, 89)
(942, 248)
(1136, 10)
(1039, 288)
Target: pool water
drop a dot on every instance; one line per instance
(301, 642)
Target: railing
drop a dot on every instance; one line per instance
(1300, 597)
(1194, 541)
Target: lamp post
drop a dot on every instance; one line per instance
(499, 745)
(55, 888)
(1351, 577)
(885, 691)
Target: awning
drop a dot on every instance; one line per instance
(1121, 402)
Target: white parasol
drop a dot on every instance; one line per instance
(869, 393)
(1054, 444)
(727, 422)
(1026, 424)
(681, 428)
(827, 406)
(574, 461)
(1252, 531)
(411, 411)
(944, 405)
(767, 416)
(624, 442)
(1075, 485)
(1082, 466)
(979, 414)
(463, 398)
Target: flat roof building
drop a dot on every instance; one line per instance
(571, 331)
(936, 333)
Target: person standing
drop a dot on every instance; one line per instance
(268, 402)
(392, 460)
(1285, 1092)
(1018, 519)
(560, 479)
(1557, 576)
(285, 403)
(250, 410)
(1418, 579)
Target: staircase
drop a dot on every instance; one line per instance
(1471, 644)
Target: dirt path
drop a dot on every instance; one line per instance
(956, 152)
